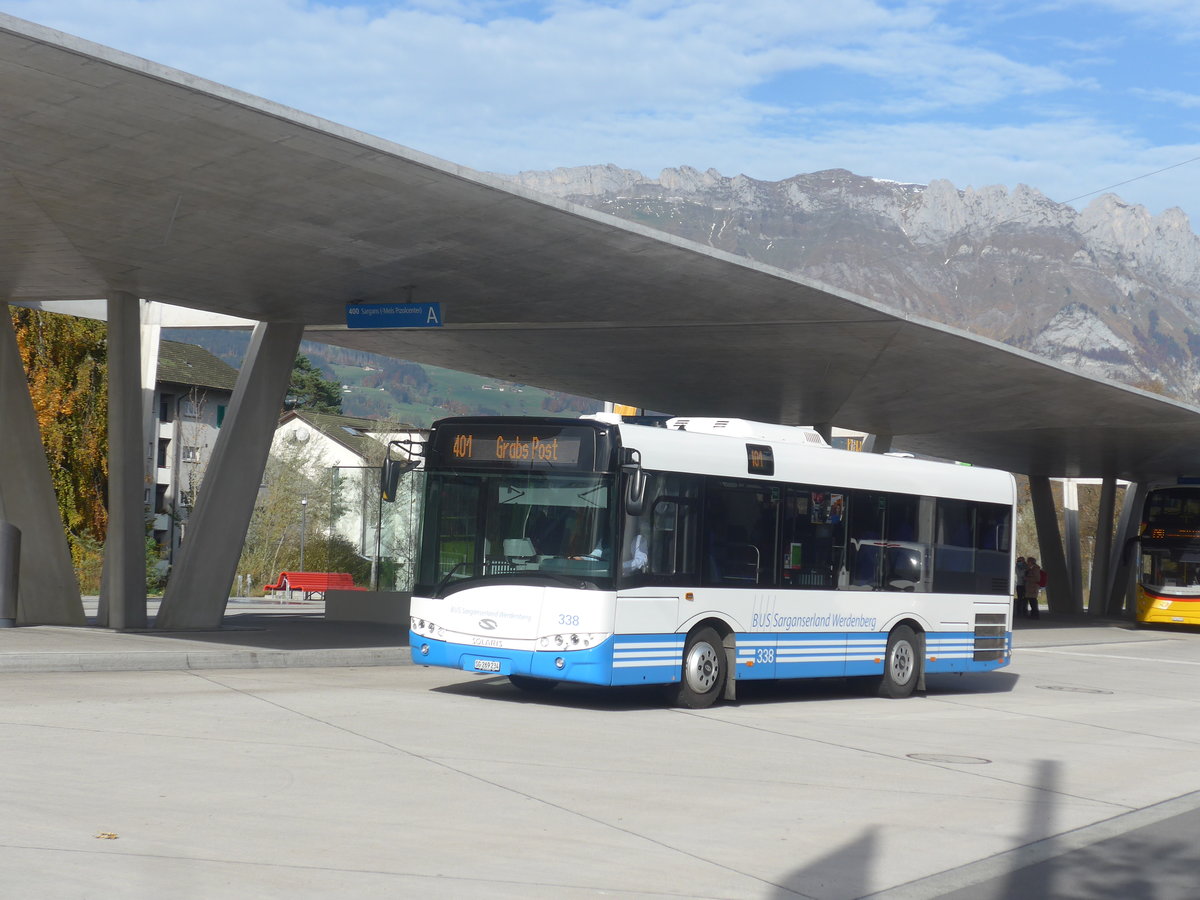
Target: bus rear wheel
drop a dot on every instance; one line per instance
(532, 685)
(704, 670)
(901, 663)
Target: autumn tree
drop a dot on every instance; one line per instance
(66, 364)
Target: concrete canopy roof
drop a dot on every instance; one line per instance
(117, 174)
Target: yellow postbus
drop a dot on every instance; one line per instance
(1168, 572)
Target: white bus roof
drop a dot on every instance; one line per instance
(798, 460)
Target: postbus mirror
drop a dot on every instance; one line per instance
(635, 482)
(395, 466)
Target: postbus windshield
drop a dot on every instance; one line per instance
(516, 525)
(1171, 568)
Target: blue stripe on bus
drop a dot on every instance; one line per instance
(823, 655)
(647, 658)
(658, 658)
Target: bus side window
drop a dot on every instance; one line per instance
(659, 546)
(954, 550)
(740, 533)
(865, 546)
(807, 536)
(672, 523)
(992, 551)
(907, 532)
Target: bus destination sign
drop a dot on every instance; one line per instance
(546, 449)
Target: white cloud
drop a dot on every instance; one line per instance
(1176, 19)
(580, 54)
(765, 87)
(1180, 99)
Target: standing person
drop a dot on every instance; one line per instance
(1033, 583)
(1019, 605)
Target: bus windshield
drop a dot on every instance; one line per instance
(516, 526)
(1171, 541)
(1172, 569)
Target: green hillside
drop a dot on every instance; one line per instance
(378, 387)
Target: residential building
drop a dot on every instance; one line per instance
(343, 456)
(192, 391)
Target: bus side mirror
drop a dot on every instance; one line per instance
(394, 467)
(635, 483)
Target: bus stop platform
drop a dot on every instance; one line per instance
(254, 634)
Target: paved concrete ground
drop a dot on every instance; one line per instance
(1072, 773)
(255, 634)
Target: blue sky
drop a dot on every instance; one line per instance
(1067, 97)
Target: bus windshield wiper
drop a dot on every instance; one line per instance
(437, 592)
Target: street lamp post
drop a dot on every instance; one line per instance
(303, 528)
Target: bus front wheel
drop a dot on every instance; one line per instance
(704, 670)
(901, 663)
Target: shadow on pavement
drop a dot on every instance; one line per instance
(282, 631)
(623, 699)
(1160, 861)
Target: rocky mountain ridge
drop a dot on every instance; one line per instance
(1110, 289)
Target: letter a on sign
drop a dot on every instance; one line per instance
(431, 318)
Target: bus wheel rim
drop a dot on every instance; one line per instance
(703, 667)
(902, 662)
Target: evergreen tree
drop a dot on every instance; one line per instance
(311, 390)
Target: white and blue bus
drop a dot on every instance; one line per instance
(704, 553)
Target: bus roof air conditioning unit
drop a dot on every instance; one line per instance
(745, 429)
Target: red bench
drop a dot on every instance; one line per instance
(311, 583)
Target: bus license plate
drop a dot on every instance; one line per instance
(487, 665)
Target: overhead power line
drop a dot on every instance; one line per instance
(1135, 178)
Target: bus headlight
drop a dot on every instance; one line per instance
(571, 640)
(425, 628)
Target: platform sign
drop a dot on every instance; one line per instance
(393, 315)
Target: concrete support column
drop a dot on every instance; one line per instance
(1050, 548)
(877, 443)
(123, 593)
(1102, 552)
(825, 430)
(49, 592)
(198, 590)
(1124, 553)
(1071, 541)
(151, 340)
